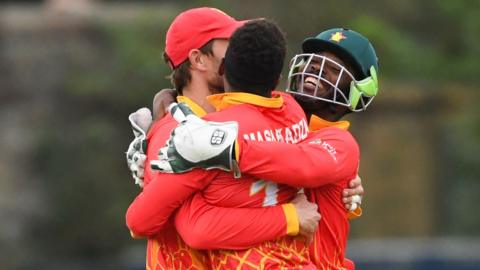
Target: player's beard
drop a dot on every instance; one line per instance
(216, 85)
(312, 105)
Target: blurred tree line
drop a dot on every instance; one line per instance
(89, 73)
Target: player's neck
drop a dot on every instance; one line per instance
(197, 91)
(327, 117)
(230, 89)
(329, 114)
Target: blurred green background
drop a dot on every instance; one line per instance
(72, 70)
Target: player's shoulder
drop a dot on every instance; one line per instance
(339, 136)
(288, 100)
(289, 103)
(237, 112)
(332, 132)
(284, 95)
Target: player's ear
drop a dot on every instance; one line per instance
(221, 68)
(196, 58)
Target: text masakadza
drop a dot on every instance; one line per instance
(292, 134)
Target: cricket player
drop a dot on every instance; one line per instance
(166, 250)
(335, 75)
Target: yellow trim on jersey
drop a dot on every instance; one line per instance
(291, 216)
(199, 111)
(317, 123)
(355, 213)
(226, 100)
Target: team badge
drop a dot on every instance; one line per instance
(218, 137)
(337, 37)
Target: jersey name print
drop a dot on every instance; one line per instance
(292, 134)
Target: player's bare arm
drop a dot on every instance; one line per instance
(161, 101)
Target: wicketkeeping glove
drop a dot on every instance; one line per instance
(196, 143)
(136, 152)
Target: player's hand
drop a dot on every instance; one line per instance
(161, 101)
(136, 152)
(308, 216)
(196, 143)
(352, 196)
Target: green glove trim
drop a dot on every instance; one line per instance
(179, 164)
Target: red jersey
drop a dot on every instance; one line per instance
(325, 162)
(165, 250)
(149, 214)
(330, 240)
(262, 119)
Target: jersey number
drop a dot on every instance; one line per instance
(271, 191)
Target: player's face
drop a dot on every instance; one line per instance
(320, 78)
(214, 79)
(329, 67)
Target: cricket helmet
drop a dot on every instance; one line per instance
(352, 48)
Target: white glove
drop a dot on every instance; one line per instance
(136, 152)
(196, 143)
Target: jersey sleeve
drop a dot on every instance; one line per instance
(152, 208)
(204, 226)
(324, 157)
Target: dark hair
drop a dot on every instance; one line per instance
(181, 76)
(255, 57)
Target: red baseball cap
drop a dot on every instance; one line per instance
(195, 27)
